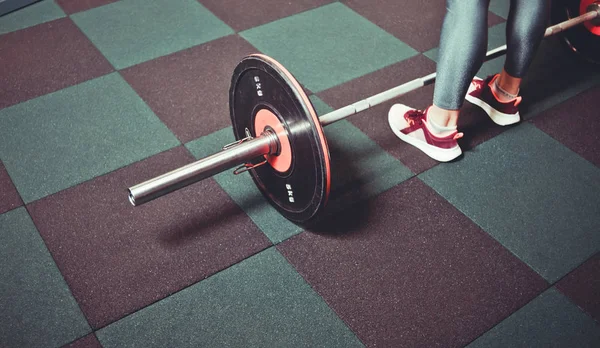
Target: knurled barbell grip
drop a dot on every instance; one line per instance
(228, 158)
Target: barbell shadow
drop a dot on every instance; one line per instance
(344, 221)
(201, 223)
(343, 213)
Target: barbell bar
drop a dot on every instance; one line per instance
(280, 139)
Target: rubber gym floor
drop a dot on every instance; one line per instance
(496, 249)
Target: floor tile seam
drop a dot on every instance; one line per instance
(380, 149)
(96, 329)
(413, 56)
(596, 254)
(65, 282)
(572, 301)
(264, 233)
(146, 103)
(463, 213)
(179, 51)
(12, 182)
(307, 283)
(529, 302)
(65, 15)
(273, 21)
(9, 210)
(352, 205)
(315, 92)
(79, 338)
(83, 182)
(160, 121)
(529, 115)
(60, 89)
(281, 18)
(223, 188)
(153, 58)
(113, 69)
(568, 148)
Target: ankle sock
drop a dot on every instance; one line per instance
(436, 128)
(502, 95)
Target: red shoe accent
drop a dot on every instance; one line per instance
(416, 119)
(411, 126)
(481, 94)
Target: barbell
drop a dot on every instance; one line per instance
(280, 139)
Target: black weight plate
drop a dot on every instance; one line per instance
(258, 83)
(579, 38)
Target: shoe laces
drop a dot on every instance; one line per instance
(413, 117)
(478, 85)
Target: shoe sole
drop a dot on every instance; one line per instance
(440, 155)
(498, 117)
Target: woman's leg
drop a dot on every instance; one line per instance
(463, 44)
(525, 29)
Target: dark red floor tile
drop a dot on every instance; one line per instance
(118, 259)
(45, 58)
(417, 23)
(407, 269)
(9, 197)
(582, 286)
(242, 15)
(73, 6)
(575, 123)
(89, 341)
(373, 122)
(189, 90)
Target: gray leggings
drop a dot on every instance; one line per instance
(463, 44)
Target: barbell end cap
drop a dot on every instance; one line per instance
(594, 7)
(131, 198)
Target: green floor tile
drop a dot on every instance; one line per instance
(40, 12)
(64, 138)
(243, 191)
(321, 108)
(535, 196)
(500, 7)
(261, 302)
(550, 320)
(129, 32)
(327, 46)
(37, 307)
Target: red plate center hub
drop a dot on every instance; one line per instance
(594, 29)
(281, 162)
